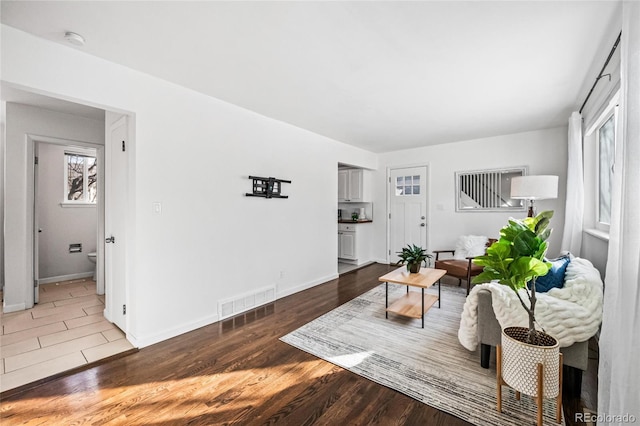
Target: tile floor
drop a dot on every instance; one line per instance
(65, 330)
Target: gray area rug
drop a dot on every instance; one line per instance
(427, 364)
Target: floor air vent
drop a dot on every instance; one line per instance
(238, 304)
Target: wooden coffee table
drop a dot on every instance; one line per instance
(413, 304)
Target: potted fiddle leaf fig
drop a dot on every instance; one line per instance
(516, 260)
(413, 256)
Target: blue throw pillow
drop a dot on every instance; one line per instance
(555, 276)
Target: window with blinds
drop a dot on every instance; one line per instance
(487, 190)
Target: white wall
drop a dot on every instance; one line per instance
(3, 106)
(22, 120)
(543, 151)
(193, 154)
(61, 226)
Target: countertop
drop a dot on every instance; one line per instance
(355, 221)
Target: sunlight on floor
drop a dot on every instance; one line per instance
(176, 397)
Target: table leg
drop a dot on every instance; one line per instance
(439, 285)
(386, 300)
(407, 289)
(423, 307)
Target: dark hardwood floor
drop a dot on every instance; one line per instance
(232, 372)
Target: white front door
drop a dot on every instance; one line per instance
(407, 208)
(116, 183)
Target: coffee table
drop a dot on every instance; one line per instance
(413, 304)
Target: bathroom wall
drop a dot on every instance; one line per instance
(61, 225)
(21, 121)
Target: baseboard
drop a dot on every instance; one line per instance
(290, 291)
(147, 340)
(141, 342)
(14, 308)
(69, 277)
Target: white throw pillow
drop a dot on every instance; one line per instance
(470, 246)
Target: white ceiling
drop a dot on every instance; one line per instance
(379, 75)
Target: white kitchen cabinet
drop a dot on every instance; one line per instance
(354, 242)
(343, 185)
(356, 182)
(351, 185)
(347, 245)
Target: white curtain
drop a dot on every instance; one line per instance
(574, 207)
(619, 368)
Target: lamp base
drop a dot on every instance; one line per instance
(531, 212)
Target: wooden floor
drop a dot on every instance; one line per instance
(232, 372)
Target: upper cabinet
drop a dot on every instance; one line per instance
(343, 185)
(352, 185)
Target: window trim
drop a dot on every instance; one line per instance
(610, 111)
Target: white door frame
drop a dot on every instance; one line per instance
(32, 249)
(427, 214)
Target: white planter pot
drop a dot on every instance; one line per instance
(520, 363)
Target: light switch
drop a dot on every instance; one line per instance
(157, 208)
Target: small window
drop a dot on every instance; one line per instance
(80, 178)
(606, 157)
(408, 185)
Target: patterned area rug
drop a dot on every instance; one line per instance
(427, 364)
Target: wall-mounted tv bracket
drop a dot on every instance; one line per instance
(267, 187)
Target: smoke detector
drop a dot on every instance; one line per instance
(74, 38)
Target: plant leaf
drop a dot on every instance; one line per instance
(485, 277)
(526, 243)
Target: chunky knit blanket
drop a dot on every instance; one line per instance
(571, 314)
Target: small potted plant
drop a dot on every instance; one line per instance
(516, 260)
(413, 256)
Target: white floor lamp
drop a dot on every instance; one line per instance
(534, 188)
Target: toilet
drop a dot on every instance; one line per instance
(92, 258)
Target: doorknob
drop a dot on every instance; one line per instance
(423, 224)
(39, 229)
(111, 239)
(423, 217)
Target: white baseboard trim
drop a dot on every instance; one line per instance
(14, 308)
(150, 339)
(65, 277)
(289, 291)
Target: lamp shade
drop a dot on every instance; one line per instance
(534, 187)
